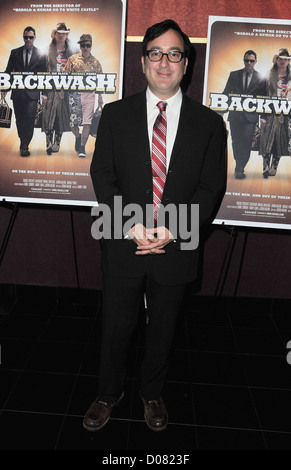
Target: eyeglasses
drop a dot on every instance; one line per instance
(172, 56)
(28, 37)
(85, 45)
(249, 60)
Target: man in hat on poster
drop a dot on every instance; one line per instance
(56, 114)
(82, 103)
(26, 58)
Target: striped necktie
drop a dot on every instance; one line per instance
(159, 169)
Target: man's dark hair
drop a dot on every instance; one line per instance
(158, 29)
(29, 28)
(250, 52)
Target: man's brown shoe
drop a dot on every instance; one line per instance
(98, 414)
(155, 414)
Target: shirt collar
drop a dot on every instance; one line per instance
(152, 99)
(88, 58)
(29, 50)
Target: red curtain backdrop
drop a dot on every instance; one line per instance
(192, 15)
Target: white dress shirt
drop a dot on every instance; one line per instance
(173, 115)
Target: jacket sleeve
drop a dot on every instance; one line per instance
(229, 85)
(104, 178)
(11, 63)
(212, 183)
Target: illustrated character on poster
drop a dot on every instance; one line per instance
(275, 131)
(26, 58)
(242, 123)
(82, 103)
(56, 114)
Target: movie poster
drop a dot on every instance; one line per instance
(76, 69)
(257, 116)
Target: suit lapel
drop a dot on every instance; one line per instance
(253, 82)
(139, 123)
(240, 78)
(20, 57)
(184, 131)
(32, 59)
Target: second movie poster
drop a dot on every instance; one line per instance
(61, 62)
(248, 82)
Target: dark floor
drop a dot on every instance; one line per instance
(229, 384)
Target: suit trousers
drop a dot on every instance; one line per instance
(25, 109)
(242, 132)
(122, 302)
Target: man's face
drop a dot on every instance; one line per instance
(282, 63)
(164, 77)
(86, 47)
(60, 37)
(28, 38)
(249, 61)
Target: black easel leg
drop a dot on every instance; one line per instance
(75, 251)
(227, 256)
(14, 208)
(223, 270)
(241, 263)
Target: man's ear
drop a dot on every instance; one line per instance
(142, 63)
(185, 65)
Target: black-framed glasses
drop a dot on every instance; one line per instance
(85, 44)
(249, 60)
(28, 37)
(173, 56)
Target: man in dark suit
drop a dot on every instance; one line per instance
(242, 123)
(151, 256)
(26, 58)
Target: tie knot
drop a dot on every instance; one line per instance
(162, 106)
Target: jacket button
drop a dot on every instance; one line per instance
(148, 162)
(148, 191)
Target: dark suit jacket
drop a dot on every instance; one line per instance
(121, 165)
(234, 85)
(15, 64)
